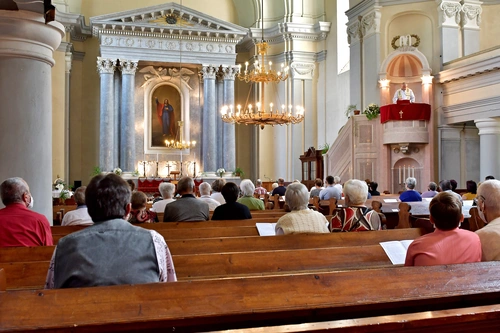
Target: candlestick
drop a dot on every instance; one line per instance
(156, 158)
(404, 173)
(399, 182)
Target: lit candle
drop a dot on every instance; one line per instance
(239, 108)
(246, 66)
(271, 106)
(250, 108)
(409, 171)
(258, 106)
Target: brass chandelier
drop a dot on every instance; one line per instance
(262, 73)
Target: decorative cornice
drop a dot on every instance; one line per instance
(289, 31)
(128, 67)
(78, 56)
(469, 111)
(321, 56)
(75, 25)
(474, 64)
(209, 72)
(106, 66)
(152, 22)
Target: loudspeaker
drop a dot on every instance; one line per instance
(77, 184)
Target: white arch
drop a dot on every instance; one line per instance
(426, 69)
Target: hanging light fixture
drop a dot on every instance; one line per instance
(262, 73)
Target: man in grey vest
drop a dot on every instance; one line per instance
(187, 207)
(112, 251)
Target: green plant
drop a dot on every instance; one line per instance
(324, 148)
(238, 172)
(96, 171)
(372, 111)
(350, 109)
(135, 173)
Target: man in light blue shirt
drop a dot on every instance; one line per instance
(330, 191)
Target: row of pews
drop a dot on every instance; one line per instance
(309, 283)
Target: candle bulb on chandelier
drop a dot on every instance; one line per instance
(282, 108)
(249, 108)
(258, 106)
(271, 106)
(246, 66)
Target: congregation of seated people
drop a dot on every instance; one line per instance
(101, 254)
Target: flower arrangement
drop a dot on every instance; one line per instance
(60, 186)
(372, 111)
(117, 171)
(220, 172)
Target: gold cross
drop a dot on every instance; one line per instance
(401, 114)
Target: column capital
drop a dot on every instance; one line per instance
(106, 66)
(471, 15)
(488, 126)
(229, 72)
(128, 66)
(208, 72)
(450, 11)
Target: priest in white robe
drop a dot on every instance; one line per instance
(404, 93)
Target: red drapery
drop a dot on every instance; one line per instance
(414, 111)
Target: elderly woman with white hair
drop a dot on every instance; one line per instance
(247, 188)
(167, 193)
(356, 216)
(301, 219)
(205, 190)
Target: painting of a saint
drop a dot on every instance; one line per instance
(166, 103)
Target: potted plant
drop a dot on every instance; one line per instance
(220, 172)
(350, 110)
(372, 111)
(238, 172)
(324, 148)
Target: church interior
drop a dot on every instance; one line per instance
(95, 100)
(377, 90)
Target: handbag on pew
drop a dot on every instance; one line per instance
(354, 219)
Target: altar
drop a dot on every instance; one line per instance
(410, 111)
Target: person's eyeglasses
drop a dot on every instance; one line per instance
(476, 200)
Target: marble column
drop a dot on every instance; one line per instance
(209, 149)
(449, 25)
(229, 136)
(116, 114)
(27, 45)
(489, 147)
(471, 19)
(68, 59)
(219, 87)
(127, 116)
(107, 145)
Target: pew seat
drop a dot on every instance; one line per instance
(252, 302)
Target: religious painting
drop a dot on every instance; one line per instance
(166, 112)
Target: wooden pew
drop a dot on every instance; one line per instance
(252, 302)
(240, 244)
(32, 274)
(484, 318)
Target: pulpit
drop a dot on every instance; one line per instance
(404, 110)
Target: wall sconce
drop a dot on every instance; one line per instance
(427, 79)
(384, 83)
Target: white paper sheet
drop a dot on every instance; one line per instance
(396, 250)
(266, 229)
(390, 200)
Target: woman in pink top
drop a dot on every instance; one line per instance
(447, 244)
